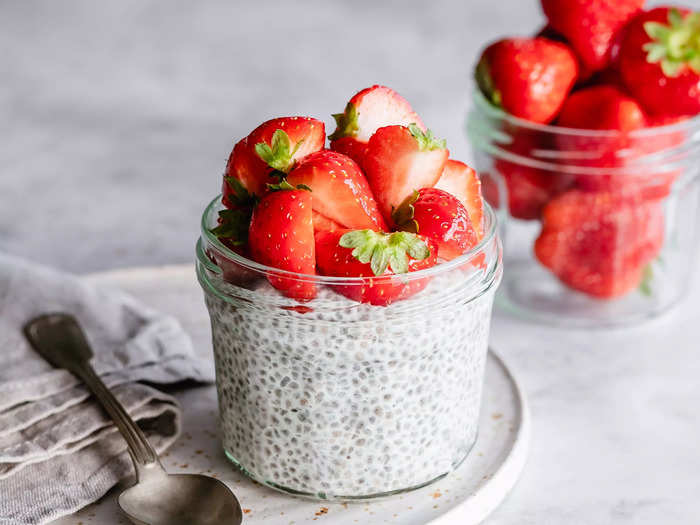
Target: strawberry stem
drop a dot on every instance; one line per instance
(346, 123)
(482, 75)
(674, 45)
(233, 225)
(385, 250)
(426, 140)
(279, 155)
(403, 215)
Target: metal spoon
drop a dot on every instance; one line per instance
(157, 498)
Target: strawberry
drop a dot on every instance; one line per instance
(659, 61)
(600, 243)
(377, 257)
(601, 107)
(366, 112)
(322, 223)
(281, 235)
(400, 160)
(607, 108)
(528, 77)
(462, 181)
(339, 189)
(584, 73)
(590, 26)
(527, 188)
(274, 145)
(439, 216)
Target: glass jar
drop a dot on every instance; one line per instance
(336, 399)
(598, 227)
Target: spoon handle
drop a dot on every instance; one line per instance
(59, 339)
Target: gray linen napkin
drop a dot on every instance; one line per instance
(58, 450)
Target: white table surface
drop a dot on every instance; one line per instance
(116, 119)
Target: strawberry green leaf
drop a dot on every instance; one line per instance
(403, 215)
(675, 45)
(385, 250)
(233, 225)
(647, 278)
(240, 196)
(426, 140)
(279, 154)
(346, 123)
(482, 75)
(284, 185)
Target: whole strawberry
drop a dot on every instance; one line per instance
(380, 259)
(600, 243)
(367, 111)
(659, 61)
(608, 108)
(439, 216)
(590, 26)
(527, 77)
(527, 188)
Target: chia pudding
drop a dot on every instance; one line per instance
(337, 399)
(349, 279)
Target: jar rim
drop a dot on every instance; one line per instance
(490, 234)
(691, 123)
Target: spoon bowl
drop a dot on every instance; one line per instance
(173, 499)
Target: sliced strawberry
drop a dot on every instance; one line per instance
(281, 235)
(275, 145)
(400, 160)
(377, 257)
(462, 181)
(366, 112)
(339, 189)
(323, 223)
(439, 216)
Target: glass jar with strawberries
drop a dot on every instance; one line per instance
(350, 292)
(587, 140)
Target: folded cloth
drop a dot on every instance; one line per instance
(58, 449)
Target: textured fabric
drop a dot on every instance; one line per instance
(58, 449)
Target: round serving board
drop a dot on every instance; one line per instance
(465, 497)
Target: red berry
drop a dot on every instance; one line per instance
(659, 61)
(462, 181)
(339, 190)
(281, 142)
(527, 77)
(322, 223)
(439, 216)
(607, 108)
(400, 160)
(367, 111)
(364, 253)
(590, 26)
(528, 188)
(599, 243)
(281, 235)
